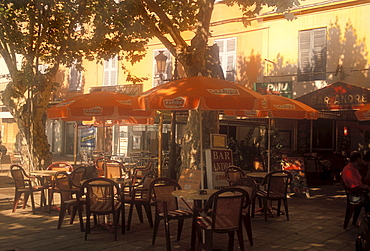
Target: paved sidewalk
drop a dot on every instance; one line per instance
(315, 224)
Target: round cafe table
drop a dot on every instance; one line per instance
(194, 194)
(41, 175)
(198, 197)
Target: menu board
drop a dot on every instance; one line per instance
(217, 160)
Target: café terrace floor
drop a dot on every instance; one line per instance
(315, 224)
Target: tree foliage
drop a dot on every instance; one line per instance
(55, 32)
(37, 36)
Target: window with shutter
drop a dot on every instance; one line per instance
(228, 57)
(75, 78)
(312, 55)
(167, 74)
(110, 71)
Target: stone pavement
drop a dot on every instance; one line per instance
(315, 224)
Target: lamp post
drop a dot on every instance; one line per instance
(161, 61)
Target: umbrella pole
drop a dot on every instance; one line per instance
(160, 134)
(201, 150)
(105, 161)
(311, 135)
(75, 144)
(269, 145)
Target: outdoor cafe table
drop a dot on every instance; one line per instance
(198, 197)
(194, 194)
(257, 176)
(42, 174)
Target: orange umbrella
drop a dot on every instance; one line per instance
(282, 107)
(363, 113)
(101, 105)
(124, 122)
(274, 106)
(198, 93)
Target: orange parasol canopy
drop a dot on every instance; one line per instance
(131, 121)
(201, 93)
(101, 105)
(274, 106)
(363, 113)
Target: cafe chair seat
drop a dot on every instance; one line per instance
(49, 183)
(177, 213)
(139, 197)
(64, 184)
(249, 185)
(222, 214)
(166, 207)
(276, 189)
(272, 194)
(103, 197)
(24, 185)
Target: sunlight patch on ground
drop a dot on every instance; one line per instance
(315, 189)
(317, 245)
(338, 196)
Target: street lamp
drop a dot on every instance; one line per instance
(161, 61)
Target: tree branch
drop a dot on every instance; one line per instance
(172, 31)
(157, 33)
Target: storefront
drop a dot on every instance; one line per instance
(337, 129)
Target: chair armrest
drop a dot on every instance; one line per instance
(198, 210)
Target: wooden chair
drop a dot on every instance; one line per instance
(49, 183)
(77, 176)
(139, 197)
(222, 214)
(139, 172)
(103, 197)
(313, 170)
(166, 207)
(249, 185)
(233, 173)
(276, 188)
(23, 185)
(64, 183)
(98, 163)
(113, 169)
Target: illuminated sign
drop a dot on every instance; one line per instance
(283, 88)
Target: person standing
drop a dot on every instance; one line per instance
(353, 181)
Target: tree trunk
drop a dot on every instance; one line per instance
(210, 124)
(27, 101)
(191, 148)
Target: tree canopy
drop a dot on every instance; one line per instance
(50, 33)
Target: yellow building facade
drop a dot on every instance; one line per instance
(326, 42)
